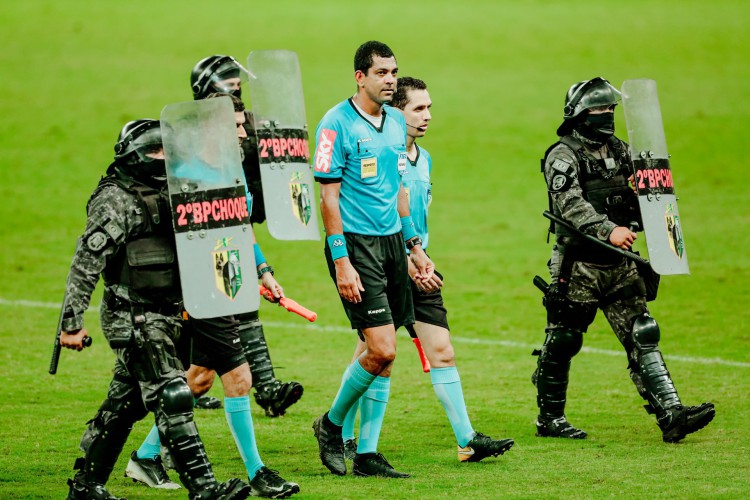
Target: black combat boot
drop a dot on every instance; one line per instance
(678, 422)
(82, 490)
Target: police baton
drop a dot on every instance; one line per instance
(625, 253)
(57, 348)
(542, 285)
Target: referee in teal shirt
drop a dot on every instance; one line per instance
(359, 161)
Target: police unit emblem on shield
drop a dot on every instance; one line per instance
(300, 192)
(227, 269)
(676, 243)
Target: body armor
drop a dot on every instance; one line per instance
(147, 265)
(604, 184)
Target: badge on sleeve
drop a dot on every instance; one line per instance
(402, 163)
(96, 241)
(560, 182)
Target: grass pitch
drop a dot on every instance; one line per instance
(73, 72)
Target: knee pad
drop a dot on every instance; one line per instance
(645, 332)
(563, 343)
(176, 398)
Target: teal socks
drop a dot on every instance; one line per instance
(240, 422)
(151, 446)
(355, 382)
(372, 405)
(447, 385)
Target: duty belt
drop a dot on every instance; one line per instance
(114, 302)
(590, 255)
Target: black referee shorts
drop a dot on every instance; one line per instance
(429, 307)
(381, 264)
(216, 343)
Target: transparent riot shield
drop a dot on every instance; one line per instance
(653, 178)
(275, 88)
(207, 194)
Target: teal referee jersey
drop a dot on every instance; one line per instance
(416, 181)
(368, 161)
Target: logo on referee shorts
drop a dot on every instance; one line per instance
(325, 150)
(377, 311)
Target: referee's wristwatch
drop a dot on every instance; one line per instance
(264, 270)
(413, 242)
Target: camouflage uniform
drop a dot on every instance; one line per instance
(128, 233)
(588, 187)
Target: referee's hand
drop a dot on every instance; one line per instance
(425, 267)
(347, 281)
(431, 285)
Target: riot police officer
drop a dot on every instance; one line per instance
(220, 73)
(588, 177)
(129, 241)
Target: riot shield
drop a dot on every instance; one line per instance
(207, 194)
(653, 178)
(275, 86)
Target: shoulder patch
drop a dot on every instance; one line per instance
(561, 165)
(113, 230)
(96, 241)
(560, 182)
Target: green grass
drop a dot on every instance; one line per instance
(73, 72)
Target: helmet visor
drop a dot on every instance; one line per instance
(599, 94)
(148, 142)
(226, 77)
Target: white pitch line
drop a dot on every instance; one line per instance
(459, 340)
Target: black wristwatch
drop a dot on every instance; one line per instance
(413, 242)
(264, 270)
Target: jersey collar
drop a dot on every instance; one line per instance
(356, 110)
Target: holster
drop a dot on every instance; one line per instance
(556, 302)
(650, 278)
(150, 362)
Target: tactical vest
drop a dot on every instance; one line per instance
(604, 184)
(146, 265)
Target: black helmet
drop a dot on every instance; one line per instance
(585, 95)
(206, 75)
(139, 137)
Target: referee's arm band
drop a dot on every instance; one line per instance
(259, 257)
(407, 228)
(337, 244)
